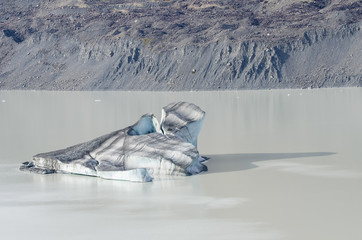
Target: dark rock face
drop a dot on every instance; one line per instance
(180, 45)
(14, 35)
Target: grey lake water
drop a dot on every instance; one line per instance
(285, 164)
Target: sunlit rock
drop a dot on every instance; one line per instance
(140, 152)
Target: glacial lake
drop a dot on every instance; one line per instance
(285, 164)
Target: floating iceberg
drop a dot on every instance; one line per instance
(141, 152)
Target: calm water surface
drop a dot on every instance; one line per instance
(285, 164)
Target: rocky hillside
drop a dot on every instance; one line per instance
(180, 45)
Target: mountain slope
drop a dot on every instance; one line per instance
(180, 45)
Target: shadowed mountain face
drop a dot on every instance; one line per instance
(179, 45)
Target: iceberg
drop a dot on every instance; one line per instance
(142, 152)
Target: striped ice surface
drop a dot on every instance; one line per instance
(141, 152)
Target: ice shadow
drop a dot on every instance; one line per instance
(221, 163)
